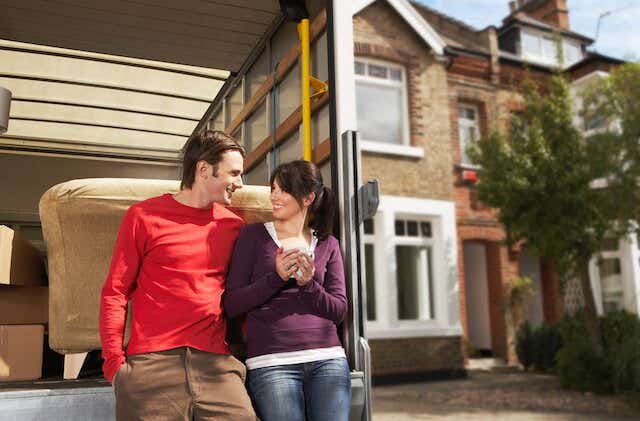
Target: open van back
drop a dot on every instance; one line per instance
(259, 103)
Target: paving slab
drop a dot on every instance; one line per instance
(502, 395)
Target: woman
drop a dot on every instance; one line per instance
(287, 276)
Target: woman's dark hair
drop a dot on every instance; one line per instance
(210, 146)
(299, 179)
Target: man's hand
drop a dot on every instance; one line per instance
(286, 263)
(306, 270)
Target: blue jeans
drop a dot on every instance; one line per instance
(315, 391)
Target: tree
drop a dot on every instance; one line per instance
(558, 190)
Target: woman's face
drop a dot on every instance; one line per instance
(284, 205)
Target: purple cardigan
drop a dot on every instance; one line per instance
(280, 317)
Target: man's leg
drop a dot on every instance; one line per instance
(328, 390)
(153, 386)
(217, 384)
(277, 392)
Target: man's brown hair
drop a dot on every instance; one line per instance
(209, 146)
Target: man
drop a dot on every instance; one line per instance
(170, 261)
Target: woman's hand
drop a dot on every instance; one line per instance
(286, 263)
(307, 269)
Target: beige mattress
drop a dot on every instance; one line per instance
(80, 221)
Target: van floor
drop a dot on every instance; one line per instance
(53, 384)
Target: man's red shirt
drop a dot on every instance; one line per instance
(170, 260)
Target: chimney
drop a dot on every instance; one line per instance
(551, 12)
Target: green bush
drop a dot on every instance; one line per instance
(524, 345)
(580, 367)
(616, 326)
(537, 346)
(614, 368)
(620, 332)
(546, 344)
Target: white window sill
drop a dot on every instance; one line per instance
(391, 149)
(413, 332)
(470, 167)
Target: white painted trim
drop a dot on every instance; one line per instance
(401, 84)
(379, 333)
(413, 18)
(446, 320)
(391, 149)
(634, 263)
(346, 118)
(464, 124)
(628, 255)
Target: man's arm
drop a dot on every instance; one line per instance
(120, 283)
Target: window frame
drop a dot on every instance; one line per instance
(627, 255)
(441, 215)
(464, 122)
(370, 239)
(402, 85)
(418, 242)
(541, 54)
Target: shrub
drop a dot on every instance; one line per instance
(616, 326)
(537, 346)
(614, 368)
(580, 367)
(620, 332)
(546, 344)
(524, 345)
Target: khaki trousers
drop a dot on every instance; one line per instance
(182, 384)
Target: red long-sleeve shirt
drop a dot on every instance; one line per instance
(170, 260)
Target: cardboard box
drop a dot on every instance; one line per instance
(20, 262)
(24, 305)
(21, 352)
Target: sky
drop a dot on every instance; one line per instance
(619, 34)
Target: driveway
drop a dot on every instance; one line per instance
(502, 395)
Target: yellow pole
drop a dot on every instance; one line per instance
(303, 33)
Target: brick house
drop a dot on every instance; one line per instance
(426, 86)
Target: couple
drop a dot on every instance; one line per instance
(286, 276)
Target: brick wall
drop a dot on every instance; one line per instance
(411, 355)
(478, 222)
(379, 32)
(434, 92)
(552, 12)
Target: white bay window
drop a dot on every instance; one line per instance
(411, 269)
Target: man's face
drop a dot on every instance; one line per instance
(228, 178)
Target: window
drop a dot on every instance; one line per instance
(381, 102)
(530, 45)
(549, 49)
(571, 52)
(543, 47)
(414, 287)
(370, 270)
(610, 273)
(608, 286)
(410, 269)
(468, 129)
